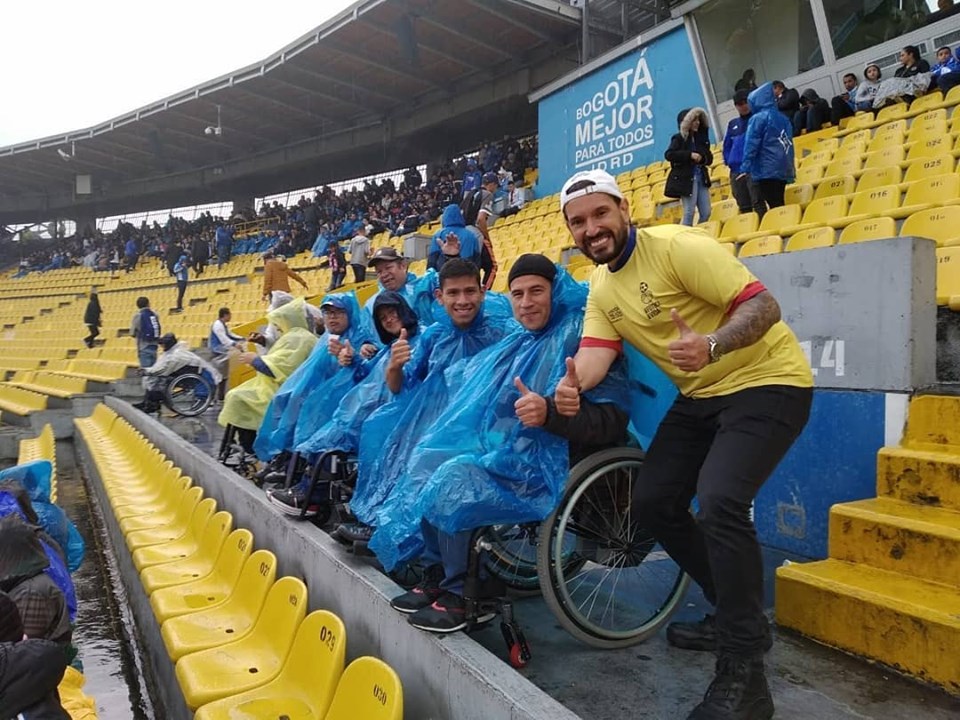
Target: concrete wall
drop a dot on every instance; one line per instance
(449, 678)
(865, 313)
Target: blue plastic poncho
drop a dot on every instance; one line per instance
(477, 465)
(391, 433)
(342, 430)
(245, 405)
(276, 433)
(35, 478)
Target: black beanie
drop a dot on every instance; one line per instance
(532, 264)
(11, 626)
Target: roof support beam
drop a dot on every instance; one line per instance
(393, 98)
(469, 38)
(391, 32)
(320, 93)
(280, 103)
(490, 8)
(231, 128)
(384, 66)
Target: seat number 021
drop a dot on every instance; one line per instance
(826, 354)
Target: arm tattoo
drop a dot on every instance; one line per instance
(748, 323)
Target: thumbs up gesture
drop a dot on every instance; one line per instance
(691, 351)
(531, 408)
(400, 351)
(567, 395)
(346, 355)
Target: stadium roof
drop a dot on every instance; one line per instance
(366, 91)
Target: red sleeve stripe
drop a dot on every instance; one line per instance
(592, 342)
(750, 291)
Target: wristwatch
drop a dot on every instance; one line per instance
(714, 348)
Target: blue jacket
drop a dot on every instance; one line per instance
(452, 222)
(224, 236)
(768, 147)
(950, 66)
(733, 142)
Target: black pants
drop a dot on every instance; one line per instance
(722, 450)
(199, 265)
(181, 289)
(839, 109)
(94, 332)
(359, 273)
(767, 194)
(741, 192)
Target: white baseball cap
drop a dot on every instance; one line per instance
(599, 181)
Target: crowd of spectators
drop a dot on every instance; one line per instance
(399, 208)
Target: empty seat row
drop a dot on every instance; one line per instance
(242, 640)
(42, 447)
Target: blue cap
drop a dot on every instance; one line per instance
(334, 301)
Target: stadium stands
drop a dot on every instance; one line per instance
(242, 640)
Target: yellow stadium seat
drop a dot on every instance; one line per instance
(929, 148)
(305, 686)
(19, 401)
(809, 175)
(858, 122)
(196, 565)
(251, 661)
(921, 195)
(820, 212)
(940, 223)
(892, 155)
(838, 185)
(143, 500)
(843, 166)
(817, 237)
(800, 194)
(924, 167)
(774, 220)
(878, 177)
(869, 204)
(766, 245)
(368, 689)
(226, 622)
(925, 103)
(821, 157)
(888, 136)
(948, 275)
(183, 545)
(858, 138)
(181, 501)
(711, 227)
(208, 591)
(723, 210)
(921, 131)
(138, 537)
(739, 225)
(875, 228)
(892, 112)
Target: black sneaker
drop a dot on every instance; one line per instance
(447, 614)
(738, 692)
(291, 502)
(702, 635)
(354, 532)
(422, 594)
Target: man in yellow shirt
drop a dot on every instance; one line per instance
(745, 391)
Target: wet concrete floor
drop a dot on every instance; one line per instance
(653, 681)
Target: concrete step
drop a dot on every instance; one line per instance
(934, 420)
(916, 540)
(909, 624)
(923, 477)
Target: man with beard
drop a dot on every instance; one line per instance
(745, 392)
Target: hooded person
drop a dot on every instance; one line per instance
(814, 112)
(495, 455)
(245, 405)
(422, 381)
(690, 158)
(34, 480)
(393, 320)
(30, 670)
(23, 564)
(345, 324)
(453, 239)
(768, 154)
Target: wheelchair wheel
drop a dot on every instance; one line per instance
(512, 557)
(188, 394)
(607, 581)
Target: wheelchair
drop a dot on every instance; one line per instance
(605, 578)
(188, 393)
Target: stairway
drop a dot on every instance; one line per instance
(890, 589)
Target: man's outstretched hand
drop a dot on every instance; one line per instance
(567, 395)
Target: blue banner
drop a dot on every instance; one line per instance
(620, 116)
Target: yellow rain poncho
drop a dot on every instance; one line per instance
(245, 405)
